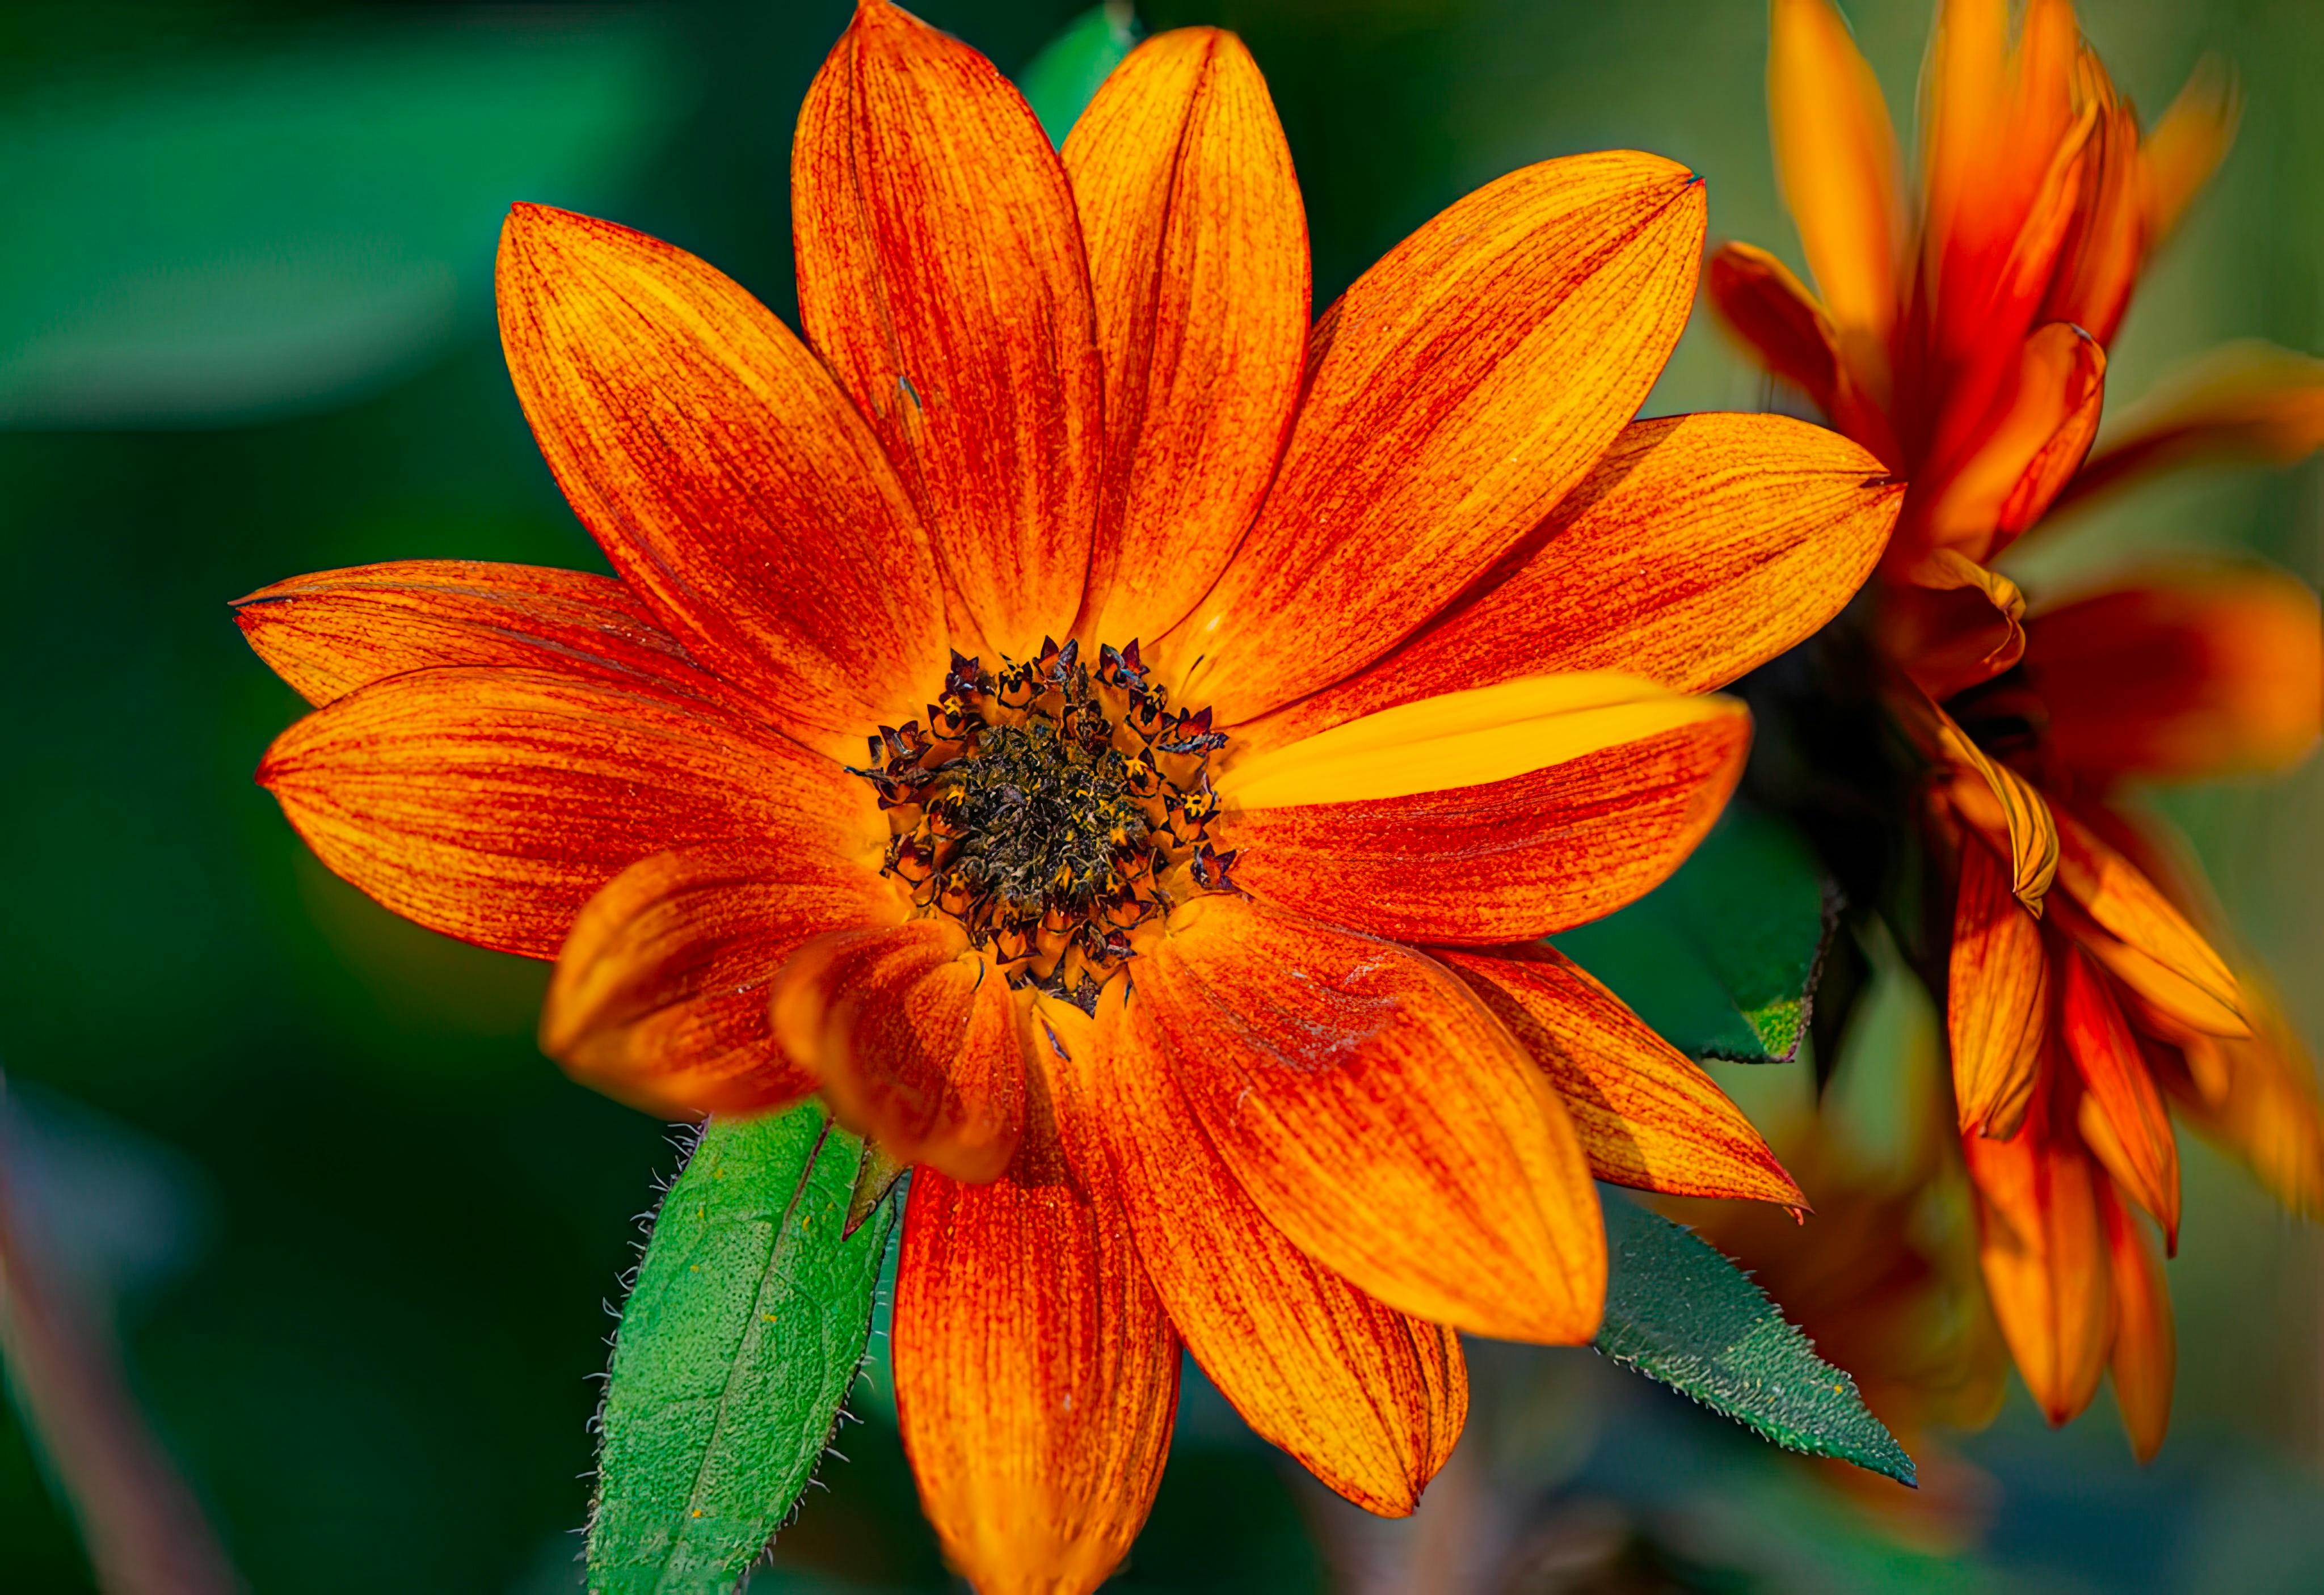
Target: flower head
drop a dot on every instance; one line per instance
(1119, 744)
(1966, 344)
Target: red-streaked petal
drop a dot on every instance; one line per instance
(941, 274)
(2190, 673)
(1586, 792)
(492, 804)
(1774, 313)
(1997, 997)
(2043, 1249)
(1037, 1377)
(2121, 1115)
(1455, 394)
(1646, 1116)
(328, 633)
(2144, 1361)
(2243, 401)
(1366, 1398)
(1836, 158)
(726, 476)
(1376, 1111)
(916, 1041)
(1198, 260)
(2126, 922)
(1978, 496)
(660, 998)
(1701, 546)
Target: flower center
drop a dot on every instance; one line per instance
(1053, 810)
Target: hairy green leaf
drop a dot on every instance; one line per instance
(1680, 1314)
(1061, 81)
(737, 1347)
(1722, 957)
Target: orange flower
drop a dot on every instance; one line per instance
(1966, 347)
(1393, 631)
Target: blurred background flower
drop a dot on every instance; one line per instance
(246, 328)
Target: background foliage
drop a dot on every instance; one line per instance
(357, 1233)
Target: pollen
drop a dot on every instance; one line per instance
(1051, 810)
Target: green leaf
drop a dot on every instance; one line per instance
(1061, 81)
(738, 1345)
(245, 234)
(1722, 957)
(1682, 1314)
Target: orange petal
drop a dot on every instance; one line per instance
(1455, 394)
(2043, 1249)
(2186, 145)
(2003, 475)
(2142, 937)
(1198, 259)
(2004, 151)
(329, 634)
(724, 474)
(1647, 1116)
(492, 804)
(1780, 321)
(1037, 1377)
(660, 998)
(941, 274)
(1574, 795)
(1997, 997)
(2107, 243)
(1699, 547)
(1366, 1398)
(2146, 1357)
(2264, 1108)
(1381, 1117)
(1835, 160)
(2192, 672)
(2121, 1118)
(1952, 623)
(2243, 401)
(1992, 798)
(915, 1039)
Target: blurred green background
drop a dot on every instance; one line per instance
(359, 1236)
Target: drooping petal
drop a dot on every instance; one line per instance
(328, 633)
(659, 996)
(1784, 324)
(726, 476)
(1366, 1398)
(1454, 395)
(1701, 546)
(1384, 1121)
(1997, 997)
(2006, 473)
(941, 275)
(1492, 815)
(492, 804)
(2121, 1118)
(1989, 797)
(2188, 142)
(2244, 401)
(2043, 1247)
(1036, 1378)
(2144, 1361)
(1647, 1116)
(2264, 1107)
(1835, 160)
(2123, 920)
(1952, 623)
(1198, 259)
(2192, 672)
(915, 1039)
